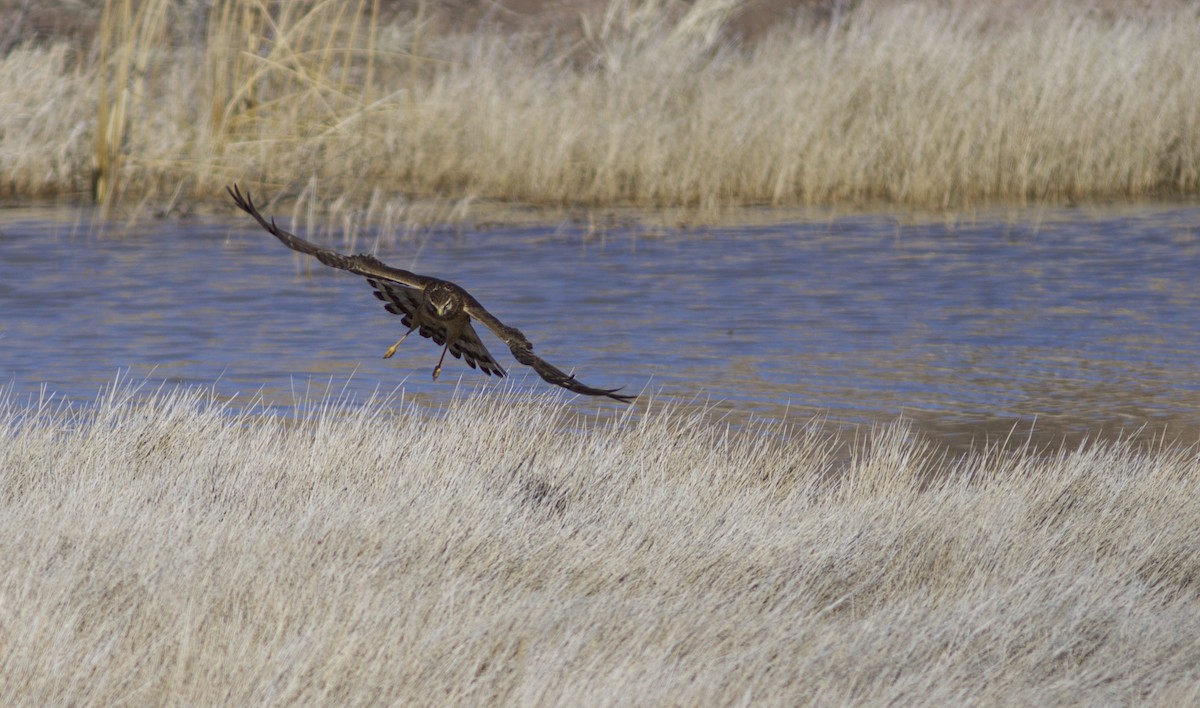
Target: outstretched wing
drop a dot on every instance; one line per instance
(468, 346)
(404, 301)
(362, 264)
(522, 350)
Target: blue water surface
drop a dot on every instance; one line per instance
(1071, 320)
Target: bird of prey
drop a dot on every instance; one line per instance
(438, 309)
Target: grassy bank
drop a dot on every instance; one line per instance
(648, 104)
(170, 550)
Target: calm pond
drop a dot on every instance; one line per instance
(1070, 322)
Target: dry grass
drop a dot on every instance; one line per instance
(926, 103)
(166, 549)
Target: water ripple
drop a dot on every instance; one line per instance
(1079, 319)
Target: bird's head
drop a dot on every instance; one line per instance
(444, 302)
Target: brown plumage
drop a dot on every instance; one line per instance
(438, 309)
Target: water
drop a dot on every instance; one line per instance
(1072, 322)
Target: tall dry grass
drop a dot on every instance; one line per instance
(165, 548)
(651, 104)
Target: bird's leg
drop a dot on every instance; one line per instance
(392, 349)
(438, 369)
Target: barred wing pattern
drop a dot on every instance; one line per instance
(402, 300)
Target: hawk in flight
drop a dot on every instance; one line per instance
(438, 309)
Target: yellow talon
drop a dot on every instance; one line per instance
(392, 349)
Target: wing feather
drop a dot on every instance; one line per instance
(397, 299)
(522, 351)
(472, 350)
(362, 264)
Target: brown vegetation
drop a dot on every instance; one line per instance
(649, 104)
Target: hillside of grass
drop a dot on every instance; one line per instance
(646, 104)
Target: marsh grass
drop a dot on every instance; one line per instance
(164, 547)
(648, 104)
